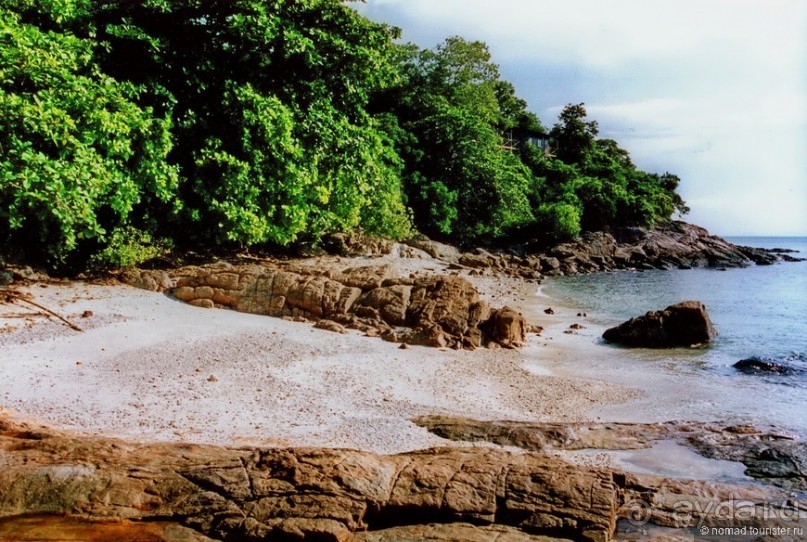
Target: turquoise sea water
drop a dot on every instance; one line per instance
(758, 311)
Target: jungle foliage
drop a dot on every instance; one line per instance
(130, 126)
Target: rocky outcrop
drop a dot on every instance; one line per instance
(669, 246)
(253, 494)
(301, 494)
(484, 262)
(683, 324)
(442, 311)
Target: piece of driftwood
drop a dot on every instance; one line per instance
(12, 297)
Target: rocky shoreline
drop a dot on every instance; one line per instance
(675, 245)
(498, 480)
(428, 309)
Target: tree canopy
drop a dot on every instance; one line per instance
(127, 126)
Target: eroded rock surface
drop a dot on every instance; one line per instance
(255, 494)
(770, 455)
(683, 324)
(438, 310)
(301, 494)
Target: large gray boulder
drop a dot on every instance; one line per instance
(683, 324)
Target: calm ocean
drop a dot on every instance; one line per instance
(758, 311)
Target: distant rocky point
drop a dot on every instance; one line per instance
(675, 245)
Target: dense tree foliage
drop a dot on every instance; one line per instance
(130, 126)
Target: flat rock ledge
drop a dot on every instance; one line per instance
(770, 454)
(438, 310)
(255, 494)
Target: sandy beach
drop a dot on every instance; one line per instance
(149, 367)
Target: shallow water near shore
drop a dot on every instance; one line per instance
(758, 311)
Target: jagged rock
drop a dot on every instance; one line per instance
(476, 261)
(355, 244)
(670, 245)
(147, 279)
(390, 303)
(443, 300)
(441, 310)
(683, 324)
(366, 277)
(434, 249)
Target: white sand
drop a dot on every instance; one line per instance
(142, 369)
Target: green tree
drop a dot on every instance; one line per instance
(573, 137)
(461, 183)
(80, 157)
(237, 122)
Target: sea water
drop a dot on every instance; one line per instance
(758, 311)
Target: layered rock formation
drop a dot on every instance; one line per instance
(683, 324)
(300, 494)
(255, 494)
(442, 311)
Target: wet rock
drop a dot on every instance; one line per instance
(683, 324)
(760, 365)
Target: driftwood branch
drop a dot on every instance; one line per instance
(12, 297)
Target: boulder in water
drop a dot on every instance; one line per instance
(683, 324)
(760, 365)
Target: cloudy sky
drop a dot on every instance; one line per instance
(714, 91)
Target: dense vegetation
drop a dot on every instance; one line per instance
(127, 127)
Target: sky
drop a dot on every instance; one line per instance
(714, 91)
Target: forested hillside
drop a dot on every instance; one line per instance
(130, 127)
